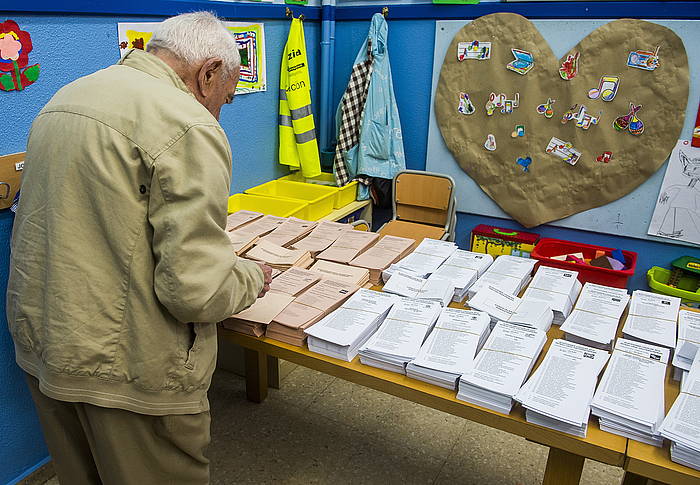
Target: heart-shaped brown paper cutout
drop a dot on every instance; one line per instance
(551, 188)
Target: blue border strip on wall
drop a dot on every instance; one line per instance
(229, 10)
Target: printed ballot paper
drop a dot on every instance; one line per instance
(382, 255)
(502, 306)
(278, 257)
(410, 285)
(254, 319)
(501, 366)
(401, 335)
(294, 281)
(688, 339)
(322, 236)
(630, 398)
(463, 268)
(559, 393)
(341, 333)
(348, 246)
(508, 273)
(558, 288)
(450, 348)
(652, 318)
(425, 258)
(289, 232)
(596, 316)
(240, 218)
(341, 272)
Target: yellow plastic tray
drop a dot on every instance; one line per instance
(343, 196)
(267, 205)
(319, 198)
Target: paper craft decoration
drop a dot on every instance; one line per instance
(557, 190)
(569, 68)
(474, 50)
(563, 150)
(525, 163)
(583, 119)
(606, 90)
(605, 157)
(546, 109)
(501, 101)
(696, 131)
(250, 38)
(630, 121)
(490, 143)
(465, 104)
(519, 131)
(523, 61)
(15, 46)
(644, 59)
(677, 212)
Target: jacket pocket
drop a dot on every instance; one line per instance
(378, 139)
(22, 334)
(201, 357)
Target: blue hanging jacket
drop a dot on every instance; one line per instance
(379, 152)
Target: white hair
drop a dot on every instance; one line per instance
(195, 37)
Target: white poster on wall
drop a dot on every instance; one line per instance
(677, 212)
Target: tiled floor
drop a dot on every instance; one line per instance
(319, 429)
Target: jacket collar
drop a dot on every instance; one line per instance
(150, 64)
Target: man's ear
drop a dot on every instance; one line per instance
(209, 75)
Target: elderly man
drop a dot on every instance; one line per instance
(120, 261)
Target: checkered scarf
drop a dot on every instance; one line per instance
(352, 106)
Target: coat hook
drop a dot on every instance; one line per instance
(385, 11)
(288, 12)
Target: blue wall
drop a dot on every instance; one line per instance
(411, 45)
(68, 47)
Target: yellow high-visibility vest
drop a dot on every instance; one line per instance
(298, 145)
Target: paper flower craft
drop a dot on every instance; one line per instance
(15, 46)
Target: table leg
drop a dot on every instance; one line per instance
(255, 375)
(273, 372)
(630, 478)
(563, 468)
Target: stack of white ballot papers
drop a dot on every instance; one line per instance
(509, 273)
(501, 366)
(400, 336)
(434, 288)
(344, 331)
(596, 316)
(558, 395)
(630, 398)
(682, 425)
(425, 258)
(652, 318)
(688, 339)
(450, 348)
(463, 268)
(558, 288)
(502, 306)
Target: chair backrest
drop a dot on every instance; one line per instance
(424, 197)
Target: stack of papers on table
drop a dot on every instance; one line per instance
(463, 268)
(409, 285)
(348, 246)
(688, 339)
(260, 227)
(558, 288)
(278, 257)
(399, 337)
(341, 272)
(449, 350)
(241, 218)
(596, 316)
(342, 333)
(682, 425)
(509, 273)
(382, 255)
(289, 232)
(630, 398)
(652, 318)
(308, 308)
(425, 258)
(242, 241)
(294, 281)
(323, 235)
(502, 306)
(255, 319)
(559, 393)
(501, 366)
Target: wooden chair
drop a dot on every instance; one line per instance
(424, 206)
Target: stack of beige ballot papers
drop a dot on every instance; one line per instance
(558, 395)
(509, 273)
(283, 289)
(630, 398)
(500, 368)
(308, 308)
(449, 350)
(344, 331)
(380, 256)
(688, 340)
(558, 288)
(350, 275)
(289, 232)
(278, 257)
(652, 318)
(424, 260)
(241, 218)
(504, 307)
(323, 235)
(245, 236)
(463, 268)
(348, 246)
(596, 316)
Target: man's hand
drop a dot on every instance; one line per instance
(267, 271)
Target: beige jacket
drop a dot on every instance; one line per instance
(119, 240)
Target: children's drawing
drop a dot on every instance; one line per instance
(250, 38)
(474, 50)
(677, 211)
(500, 101)
(15, 46)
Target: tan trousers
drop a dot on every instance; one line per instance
(91, 445)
